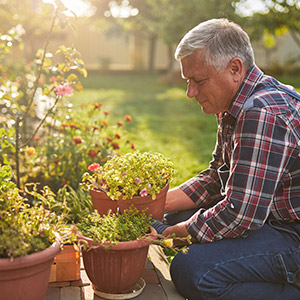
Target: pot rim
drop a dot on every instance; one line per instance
(124, 245)
(30, 259)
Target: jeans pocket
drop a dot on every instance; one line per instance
(288, 265)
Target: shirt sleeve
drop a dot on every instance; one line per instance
(263, 151)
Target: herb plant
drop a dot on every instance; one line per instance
(24, 228)
(113, 228)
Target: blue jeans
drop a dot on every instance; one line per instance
(265, 265)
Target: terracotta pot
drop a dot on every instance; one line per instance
(26, 278)
(66, 265)
(155, 207)
(102, 203)
(118, 269)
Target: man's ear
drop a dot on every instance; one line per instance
(236, 68)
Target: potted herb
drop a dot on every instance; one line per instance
(141, 179)
(114, 249)
(28, 241)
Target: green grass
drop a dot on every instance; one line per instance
(164, 119)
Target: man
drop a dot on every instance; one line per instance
(244, 209)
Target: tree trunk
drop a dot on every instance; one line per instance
(171, 65)
(152, 46)
(295, 36)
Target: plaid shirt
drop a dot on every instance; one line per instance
(255, 171)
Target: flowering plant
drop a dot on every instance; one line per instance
(133, 174)
(77, 137)
(31, 92)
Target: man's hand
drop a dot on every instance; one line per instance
(179, 230)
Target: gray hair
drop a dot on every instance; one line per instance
(221, 41)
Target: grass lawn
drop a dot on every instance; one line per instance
(164, 119)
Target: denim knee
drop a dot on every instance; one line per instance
(185, 278)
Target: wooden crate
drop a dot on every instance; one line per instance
(66, 265)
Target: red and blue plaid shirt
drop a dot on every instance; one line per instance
(255, 171)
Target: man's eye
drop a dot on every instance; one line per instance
(199, 81)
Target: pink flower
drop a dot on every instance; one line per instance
(93, 167)
(149, 186)
(143, 192)
(137, 180)
(64, 90)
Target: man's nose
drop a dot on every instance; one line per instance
(191, 90)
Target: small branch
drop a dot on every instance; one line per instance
(39, 73)
(42, 121)
(17, 150)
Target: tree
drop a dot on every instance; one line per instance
(282, 16)
(173, 18)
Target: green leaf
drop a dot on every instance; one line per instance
(83, 71)
(46, 91)
(72, 77)
(78, 86)
(269, 40)
(47, 9)
(6, 97)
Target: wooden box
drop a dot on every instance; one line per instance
(66, 265)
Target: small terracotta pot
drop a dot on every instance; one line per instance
(154, 207)
(27, 277)
(115, 270)
(102, 203)
(66, 265)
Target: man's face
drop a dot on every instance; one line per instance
(212, 90)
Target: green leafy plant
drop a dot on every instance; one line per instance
(131, 225)
(73, 204)
(113, 228)
(132, 174)
(24, 228)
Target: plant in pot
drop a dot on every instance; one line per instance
(28, 241)
(73, 205)
(114, 249)
(141, 179)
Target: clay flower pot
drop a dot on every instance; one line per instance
(154, 207)
(118, 269)
(102, 203)
(26, 278)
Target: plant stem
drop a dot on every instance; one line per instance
(39, 73)
(42, 121)
(17, 150)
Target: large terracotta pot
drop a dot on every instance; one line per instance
(154, 207)
(102, 203)
(118, 269)
(26, 278)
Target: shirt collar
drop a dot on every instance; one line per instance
(245, 90)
